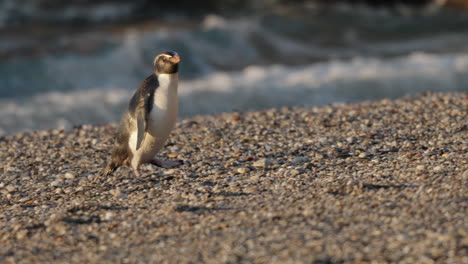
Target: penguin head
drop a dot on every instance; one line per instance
(166, 62)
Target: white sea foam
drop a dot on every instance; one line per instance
(255, 87)
(122, 59)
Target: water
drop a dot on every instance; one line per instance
(293, 57)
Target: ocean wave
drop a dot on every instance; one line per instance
(217, 44)
(254, 87)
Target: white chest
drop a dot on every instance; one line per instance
(165, 106)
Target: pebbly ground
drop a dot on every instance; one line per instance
(375, 182)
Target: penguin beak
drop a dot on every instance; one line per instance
(175, 59)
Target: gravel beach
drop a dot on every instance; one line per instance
(374, 182)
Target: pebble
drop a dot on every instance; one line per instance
(251, 190)
(53, 218)
(420, 167)
(363, 155)
(293, 172)
(263, 163)
(108, 216)
(21, 234)
(69, 175)
(60, 229)
(243, 170)
(247, 192)
(169, 172)
(25, 199)
(56, 183)
(319, 156)
(115, 192)
(300, 160)
(322, 140)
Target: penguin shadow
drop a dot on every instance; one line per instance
(151, 174)
(184, 208)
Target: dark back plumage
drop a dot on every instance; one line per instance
(138, 108)
(143, 94)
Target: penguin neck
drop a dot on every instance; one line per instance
(166, 94)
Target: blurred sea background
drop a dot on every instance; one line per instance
(64, 63)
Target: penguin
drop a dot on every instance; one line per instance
(149, 119)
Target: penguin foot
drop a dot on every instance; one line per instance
(97, 179)
(106, 173)
(137, 173)
(167, 164)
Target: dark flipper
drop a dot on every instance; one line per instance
(141, 104)
(141, 126)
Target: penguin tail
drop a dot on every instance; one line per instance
(118, 157)
(110, 168)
